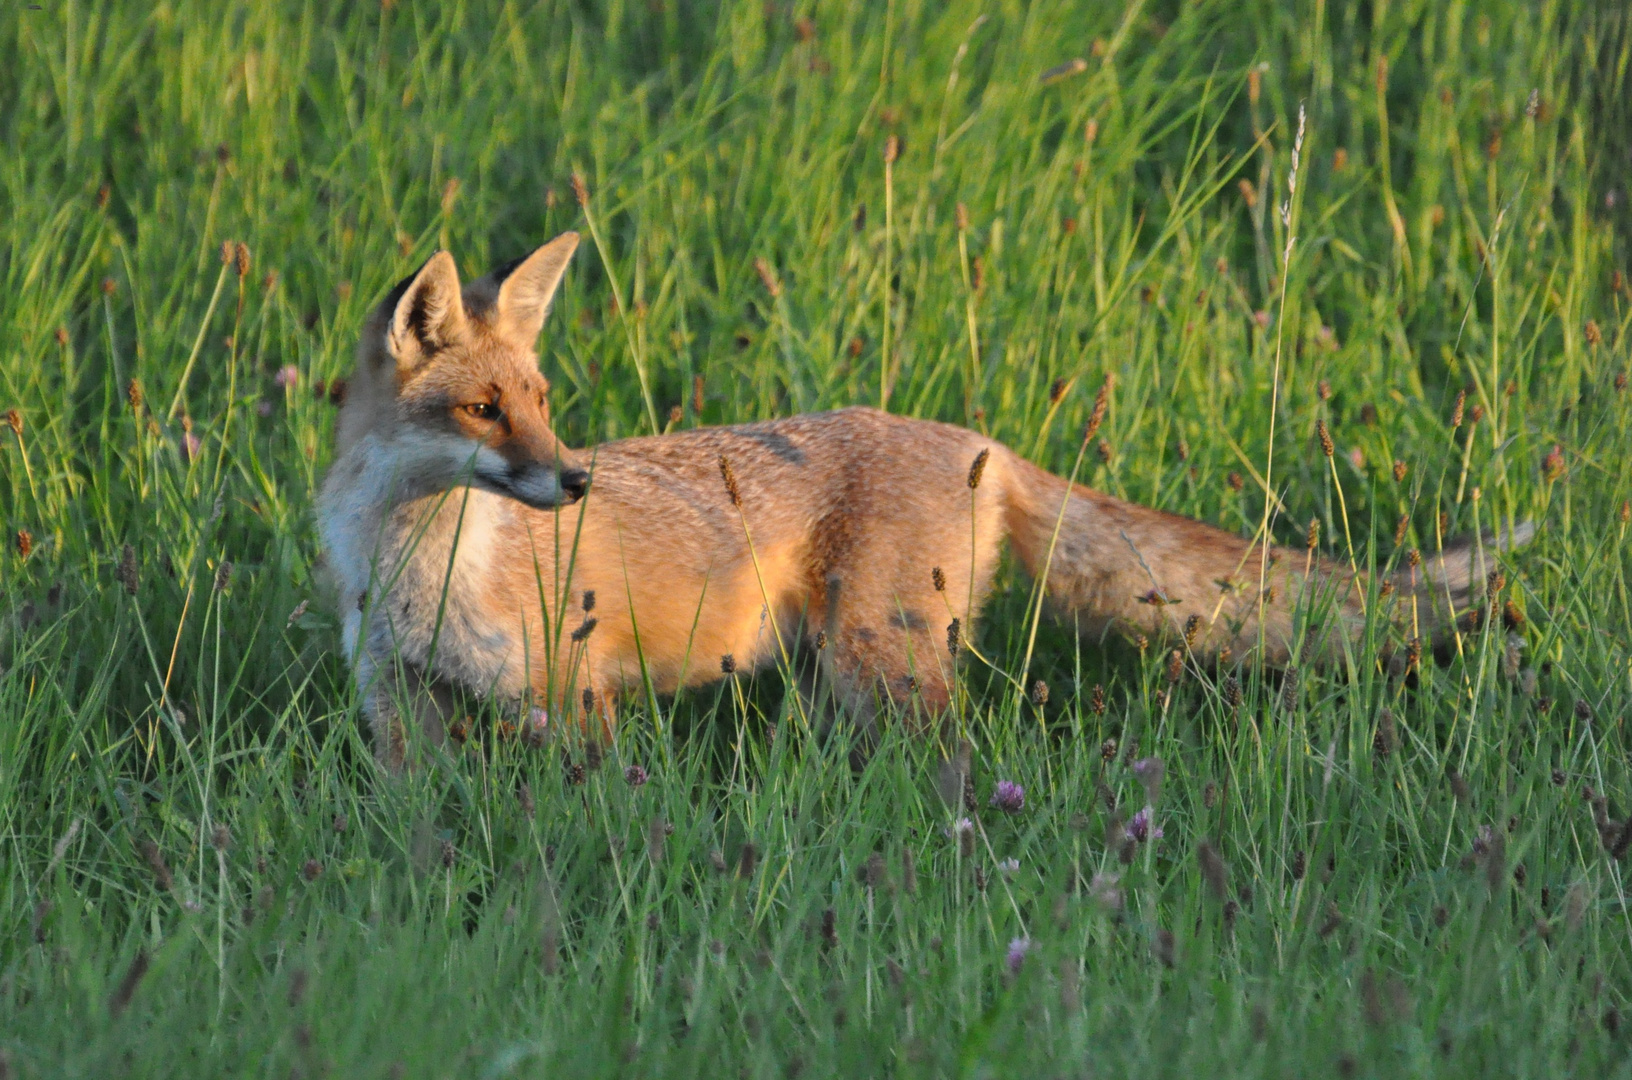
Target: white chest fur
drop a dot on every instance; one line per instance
(416, 575)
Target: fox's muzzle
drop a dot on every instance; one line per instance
(541, 487)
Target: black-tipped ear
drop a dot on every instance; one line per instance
(427, 314)
(526, 288)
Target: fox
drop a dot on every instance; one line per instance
(474, 553)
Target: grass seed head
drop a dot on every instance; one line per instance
(162, 877)
(730, 478)
(127, 572)
(977, 468)
(1387, 739)
(1289, 690)
(1102, 404)
(126, 990)
(871, 872)
(1213, 870)
(767, 277)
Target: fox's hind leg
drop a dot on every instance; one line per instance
(887, 653)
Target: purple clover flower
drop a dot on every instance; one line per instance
(288, 375)
(635, 776)
(1140, 829)
(1017, 954)
(190, 446)
(1009, 797)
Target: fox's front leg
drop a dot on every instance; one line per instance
(402, 708)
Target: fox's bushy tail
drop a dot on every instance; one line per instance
(1109, 564)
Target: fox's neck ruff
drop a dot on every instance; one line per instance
(419, 566)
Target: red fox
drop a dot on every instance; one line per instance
(477, 553)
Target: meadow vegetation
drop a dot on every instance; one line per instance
(978, 212)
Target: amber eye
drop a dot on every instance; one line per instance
(483, 410)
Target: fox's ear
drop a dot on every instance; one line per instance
(427, 312)
(526, 288)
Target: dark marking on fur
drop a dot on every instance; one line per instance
(776, 442)
(865, 633)
(908, 620)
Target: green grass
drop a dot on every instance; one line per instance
(1446, 908)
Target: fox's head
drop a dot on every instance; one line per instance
(448, 378)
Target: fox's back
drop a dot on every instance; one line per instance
(791, 472)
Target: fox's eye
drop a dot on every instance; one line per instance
(483, 410)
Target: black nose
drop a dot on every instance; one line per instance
(574, 482)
